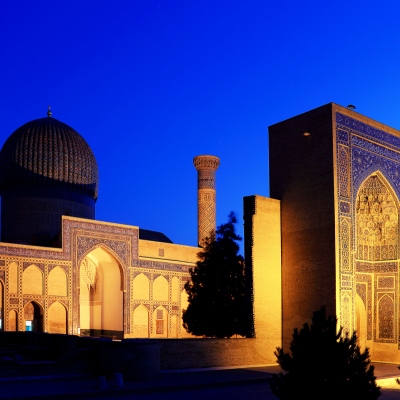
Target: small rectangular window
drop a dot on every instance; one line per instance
(159, 327)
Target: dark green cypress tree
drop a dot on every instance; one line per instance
(324, 364)
(216, 290)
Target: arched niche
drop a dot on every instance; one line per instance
(57, 282)
(175, 289)
(33, 317)
(101, 295)
(141, 322)
(13, 278)
(32, 280)
(160, 289)
(13, 321)
(57, 317)
(377, 220)
(386, 317)
(141, 287)
(160, 322)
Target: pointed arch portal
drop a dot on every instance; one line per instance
(101, 295)
(377, 220)
(33, 317)
(377, 242)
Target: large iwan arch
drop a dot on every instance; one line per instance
(377, 220)
(376, 250)
(101, 295)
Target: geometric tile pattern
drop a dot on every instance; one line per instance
(206, 167)
(368, 192)
(80, 237)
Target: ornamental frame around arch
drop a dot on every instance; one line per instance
(125, 276)
(389, 185)
(386, 182)
(375, 170)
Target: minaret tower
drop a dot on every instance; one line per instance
(206, 167)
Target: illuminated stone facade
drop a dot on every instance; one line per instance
(206, 167)
(262, 232)
(104, 281)
(88, 278)
(336, 175)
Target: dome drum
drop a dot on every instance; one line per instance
(27, 218)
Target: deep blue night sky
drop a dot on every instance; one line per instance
(151, 84)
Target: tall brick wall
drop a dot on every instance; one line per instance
(263, 273)
(302, 178)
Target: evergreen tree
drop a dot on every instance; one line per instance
(216, 290)
(324, 364)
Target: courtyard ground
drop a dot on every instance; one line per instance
(219, 384)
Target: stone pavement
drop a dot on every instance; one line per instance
(197, 381)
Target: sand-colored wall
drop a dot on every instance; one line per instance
(263, 271)
(32, 280)
(149, 250)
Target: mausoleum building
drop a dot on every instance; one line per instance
(63, 272)
(329, 234)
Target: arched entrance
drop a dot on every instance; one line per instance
(33, 317)
(101, 295)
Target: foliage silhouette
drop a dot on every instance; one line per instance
(216, 291)
(323, 364)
